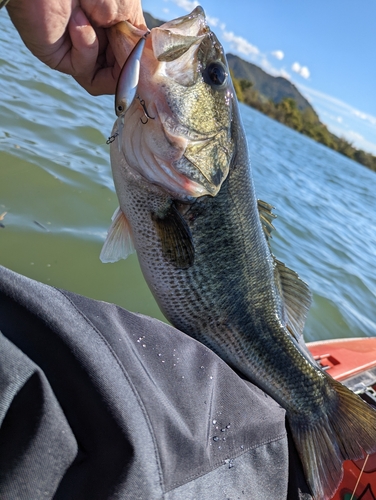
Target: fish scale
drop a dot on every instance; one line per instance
(188, 204)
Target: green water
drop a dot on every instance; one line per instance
(56, 189)
(55, 182)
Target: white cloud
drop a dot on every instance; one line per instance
(296, 67)
(338, 104)
(343, 119)
(303, 71)
(186, 4)
(278, 54)
(165, 10)
(212, 21)
(240, 44)
(363, 116)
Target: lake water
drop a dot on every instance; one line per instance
(56, 189)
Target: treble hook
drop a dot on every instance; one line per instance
(143, 104)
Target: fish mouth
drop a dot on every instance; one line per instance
(173, 39)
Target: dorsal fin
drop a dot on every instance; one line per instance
(266, 217)
(296, 298)
(119, 242)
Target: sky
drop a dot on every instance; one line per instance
(326, 48)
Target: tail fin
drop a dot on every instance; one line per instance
(343, 433)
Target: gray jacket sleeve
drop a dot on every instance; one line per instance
(100, 403)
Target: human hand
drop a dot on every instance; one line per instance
(69, 35)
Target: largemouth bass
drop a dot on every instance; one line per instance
(188, 206)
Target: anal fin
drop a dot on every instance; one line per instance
(119, 243)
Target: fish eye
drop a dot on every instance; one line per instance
(215, 74)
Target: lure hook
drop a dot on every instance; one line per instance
(143, 104)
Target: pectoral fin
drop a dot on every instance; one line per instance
(119, 242)
(176, 238)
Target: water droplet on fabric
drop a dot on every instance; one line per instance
(214, 422)
(215, 438)
(224, 429)
(143, 345)
(228, 426)
(202, 367)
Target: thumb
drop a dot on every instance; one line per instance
(85, 46)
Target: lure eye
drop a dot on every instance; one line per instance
(119, 109)
(215, 74)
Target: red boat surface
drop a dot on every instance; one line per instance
(352, 362)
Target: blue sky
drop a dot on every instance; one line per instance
(327, 48)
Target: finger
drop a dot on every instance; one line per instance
(87, 57)
(85, 45)
(106, 14)
(103, 82)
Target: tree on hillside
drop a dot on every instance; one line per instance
(289, 114)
